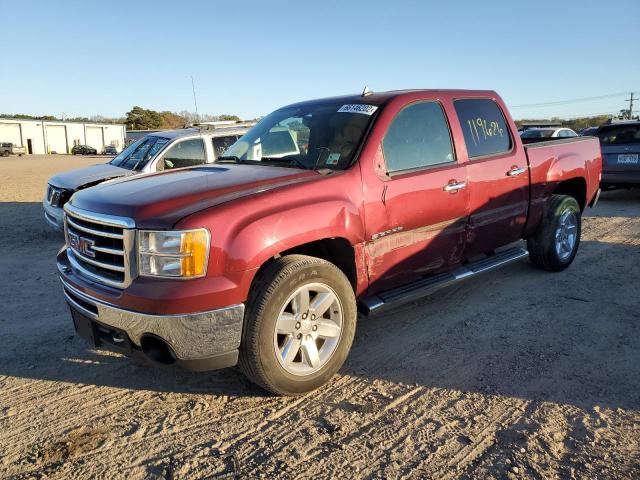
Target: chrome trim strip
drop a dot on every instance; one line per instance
(112, 251)
(98, 233)
(158, 254)
(106, 266)
(76, 304)
(74, 263)
(102, 218)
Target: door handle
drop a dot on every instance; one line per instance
(515, 171)
(454, 186)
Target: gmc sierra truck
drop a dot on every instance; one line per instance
(323, 209)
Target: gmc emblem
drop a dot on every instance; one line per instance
(82, 245)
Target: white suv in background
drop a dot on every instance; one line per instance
(157, 151)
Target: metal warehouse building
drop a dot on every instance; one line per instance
(44, 136)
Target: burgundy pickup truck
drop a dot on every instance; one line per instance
(323, 209)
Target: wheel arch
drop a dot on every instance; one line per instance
(574, 187)
(336, 250)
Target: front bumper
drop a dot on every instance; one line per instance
(53, 215)
(199, 341)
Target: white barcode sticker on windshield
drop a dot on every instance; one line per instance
(358, 108)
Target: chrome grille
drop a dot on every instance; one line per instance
(101, 247)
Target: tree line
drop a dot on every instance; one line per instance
(575, 124)
(137, 118)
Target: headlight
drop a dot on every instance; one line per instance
(182, 253)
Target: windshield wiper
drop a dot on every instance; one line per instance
(290, 160)
(226, 158)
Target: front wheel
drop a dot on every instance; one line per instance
(555, 244)
(299, 326)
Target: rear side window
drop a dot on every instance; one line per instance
(220, 144)
(417, 137)
(484, 127)
(619, 134)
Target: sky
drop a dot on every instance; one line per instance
(85, 58)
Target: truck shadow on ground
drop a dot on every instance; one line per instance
(515, 332)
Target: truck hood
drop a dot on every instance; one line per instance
(76, 179)
(159, 200)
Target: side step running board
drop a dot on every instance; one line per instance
(426, 286)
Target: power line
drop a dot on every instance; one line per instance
(575, 100)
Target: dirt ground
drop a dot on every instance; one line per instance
(516, 374)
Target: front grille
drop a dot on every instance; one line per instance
(100, 247)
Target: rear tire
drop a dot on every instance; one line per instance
(555, 244)
(299, 325)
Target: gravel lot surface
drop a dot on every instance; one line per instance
(516, 374)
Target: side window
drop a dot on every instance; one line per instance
(484, 127)
(417, 137)
(184, 154)
(220, 144)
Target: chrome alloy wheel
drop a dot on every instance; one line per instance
(308, 329)
(566, 234)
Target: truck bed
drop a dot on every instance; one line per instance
(562, 159)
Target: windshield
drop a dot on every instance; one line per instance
(619, 135)
(138, 154)
(312, 136)
(531, 133)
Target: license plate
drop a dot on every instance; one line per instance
(628, 158)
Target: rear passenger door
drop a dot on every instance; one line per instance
(425, 199)
(498, 176)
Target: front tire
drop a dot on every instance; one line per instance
(555, 244)
(299, 326)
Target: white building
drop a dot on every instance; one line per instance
(45, 136)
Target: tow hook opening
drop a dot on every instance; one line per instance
(157, 350)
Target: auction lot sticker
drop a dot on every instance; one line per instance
(358, 108)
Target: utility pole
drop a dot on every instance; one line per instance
(630, 105)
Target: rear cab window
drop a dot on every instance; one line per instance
(418, 137)
(484, 127)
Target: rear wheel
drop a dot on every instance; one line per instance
(555, 244)
(299, 325)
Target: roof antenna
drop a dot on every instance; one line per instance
(366, 92)
(195, 102)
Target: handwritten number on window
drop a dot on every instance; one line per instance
(481, 130)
